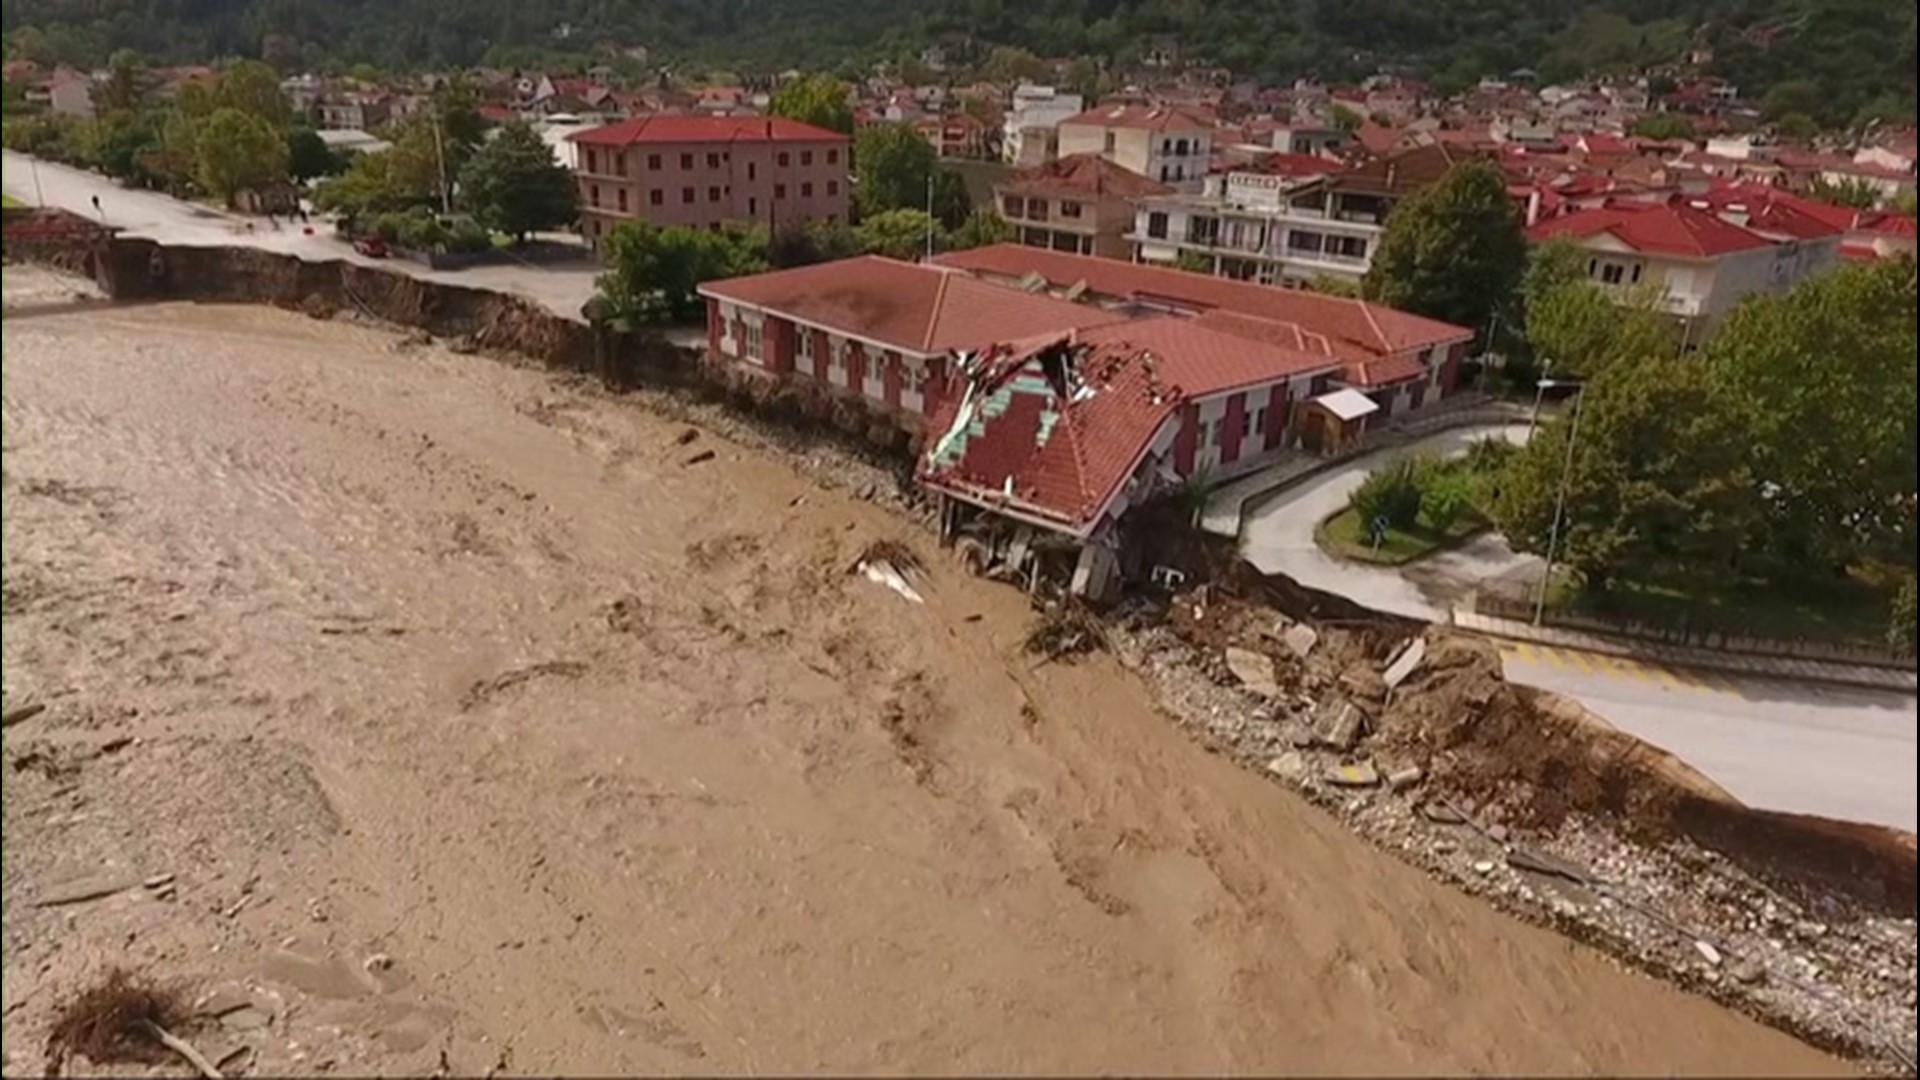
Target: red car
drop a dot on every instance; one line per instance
(371, 246)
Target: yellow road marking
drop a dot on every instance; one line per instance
(1578, 660)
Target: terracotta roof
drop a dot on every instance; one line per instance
(1205, 360)
(1655, 228)
(1403, 172)
(914, 308)
(1378, 139)
(1083, 174)
(1385, 371)
(1372, 328)
(1293, 166)
(1149, 117)
(1769, 210)
(705, 129)
(1886, 223)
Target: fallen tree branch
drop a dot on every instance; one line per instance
(183, 1048)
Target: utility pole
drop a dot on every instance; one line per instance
(1539, 393)
(1559, 511)
(930, 173)
(440, 154)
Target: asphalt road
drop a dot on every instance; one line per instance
(1799, 747)
(562, 287)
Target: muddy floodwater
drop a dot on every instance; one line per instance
(470, 725)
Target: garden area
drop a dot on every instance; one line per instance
(1412, 508)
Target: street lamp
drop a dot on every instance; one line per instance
(1540, 386)
(1560, 500)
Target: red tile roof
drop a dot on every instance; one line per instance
(1656, 229)
(1370, 328)
(1084, 174)
(1149, 117)
(1385, 371)
(920, 309)
(1201, 360)
(1293, 166)
(705, 129)
(1859, 252)
(1886, 223)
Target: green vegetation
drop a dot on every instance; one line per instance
(1453, 251)
(820, 100)
(1579, 326)
(653, 273)
(1769, 479)
(1859, 52)
(1849, 191)
(1665, 127)
(896, 166)
(1428, 504)
(10, 202)
(514, 184)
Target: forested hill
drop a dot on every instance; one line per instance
(1855, 50)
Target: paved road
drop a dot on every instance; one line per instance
(561, 288)
(1775, 744)
(1807, 748)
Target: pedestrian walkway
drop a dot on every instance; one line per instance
(1599, 654)
(1624, 667)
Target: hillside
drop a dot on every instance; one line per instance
(1854, 50)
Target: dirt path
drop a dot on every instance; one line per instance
(471, 722)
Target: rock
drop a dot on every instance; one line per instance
(245, 1018)
(697, 458)
(158, 881)
(1254, 670)
(1707, 952)
(1300, 638)
(1291, 765)
(1748, 971)
(1405, 664)
(1441, 813)
(1445, 847)
(81, 889)
(1402, 779)
(1484, 866)
(1497, 833)
(1359, 774)
(376, 963)
(1342, 730)
(21, 714)
(686, 436)
(1364, 683)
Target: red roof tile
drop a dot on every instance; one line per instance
(1859, 252)
(1384, 371)
(1655, 228)
(1149, 117)
(1371, 328)
(1084, 174)
(705, 129)
(914, 308)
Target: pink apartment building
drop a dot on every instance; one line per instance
(705, 170)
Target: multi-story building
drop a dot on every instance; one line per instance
(1082, 203)
(1172, 145)
(353, 110)
(1300, 219)
(701, 171)
(1030, 132)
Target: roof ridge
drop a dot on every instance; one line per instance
(939, 309)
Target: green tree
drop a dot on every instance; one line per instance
(309, 157)
(895, 165)
(804, 244)
(1010, 64)
(1656, 482)
(1824, 378)
(370, 186)
(981, 228)
(1906, 203)
(900, 234)
(513, 184)
(457, 103)
(1664, 127)
(1334, 285)
(127, 86)
(1794, 96)
(1447, 495)
(653, 273)
(120, 142)
(1453, 251)
(1901, 631)
(1345, 118)
(1084, 78)
(1797, 126)
(254, 88)
(1193, 262)
(1583, 329)
(1849, 191)
(239, 151)
(1391, 495)
(820, 100)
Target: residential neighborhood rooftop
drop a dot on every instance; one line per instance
(1655, 228)
(705, 129)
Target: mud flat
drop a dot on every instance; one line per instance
(422, 712)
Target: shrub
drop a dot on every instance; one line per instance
(1448, 496)
(1390, 493)
(1488, 455)
(1901, 632)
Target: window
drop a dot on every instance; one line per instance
(1305, 243)
(783, 159)
(1180, 148)
(913, 378)
(837, 360)
(752, 351)
(1612, 273)
(803, 348)
(779, 191)
(833, 156)
(833, 187)
(1013, 206)
(713, 161)
(1347, 247)
(1215, 431)
(622, 199)
(1165, 175)
(806, 157)
(593, 194)
(1110, 143)
(620, 163)
(713, 194)
(806, 189)
(1069, 209)
(1257, 423)
(753, 169)
(1157, 225)
(653, 161)
(593, 160)
(753, 207)
(657, 197)
(686, 195)
(686, 161)
(1037, 209)
(1204, 231)
(1635, 275)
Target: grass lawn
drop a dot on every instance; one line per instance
(10, 202)
(1854, 609)
(1345, 536)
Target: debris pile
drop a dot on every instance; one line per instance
(1064, 629)
(122, 1018)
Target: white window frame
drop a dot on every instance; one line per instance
(803, 347)
(753, 348)
(837, 362)
(1257, 423)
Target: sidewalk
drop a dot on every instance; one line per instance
(1774, 667)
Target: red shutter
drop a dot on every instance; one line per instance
(1185, 439)
(779, 346)
(1277, 408)
(857, 367)
(935, 387)
(822, 354)
(1236, 419)
(713, 327)
(890, 378)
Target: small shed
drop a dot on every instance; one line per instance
(1331, 421)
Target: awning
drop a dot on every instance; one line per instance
(1347, 404)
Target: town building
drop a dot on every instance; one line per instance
(1030, 132)
(1170, 144)
(960, 136)
(65, 92)
(703, 171)
(352, 110)
(1082, 203)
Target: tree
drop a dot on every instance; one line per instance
(370, 186)
(1797, 126)
(1656, 482)
(1582, 329)
(981, 228)
(120, 142)
(1346, 119)
(653, 273)
(895, 165)
(514, 184)
(127, 85)
(252, 87)
(820, 100)
(1193, 262)
(804, 244)
(900, 234)
(1390, 495)
(1334, 285)
(1010, 64)
(1793, 96)
(1901, 631)
(457, 103)
(1453, 251)
(1664, 127)
(239, 151)
(1906, 203)
(309, 157)
(1850, 191)
(1824, 379)
(1084, 78)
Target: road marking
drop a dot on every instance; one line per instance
(1578, 660)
